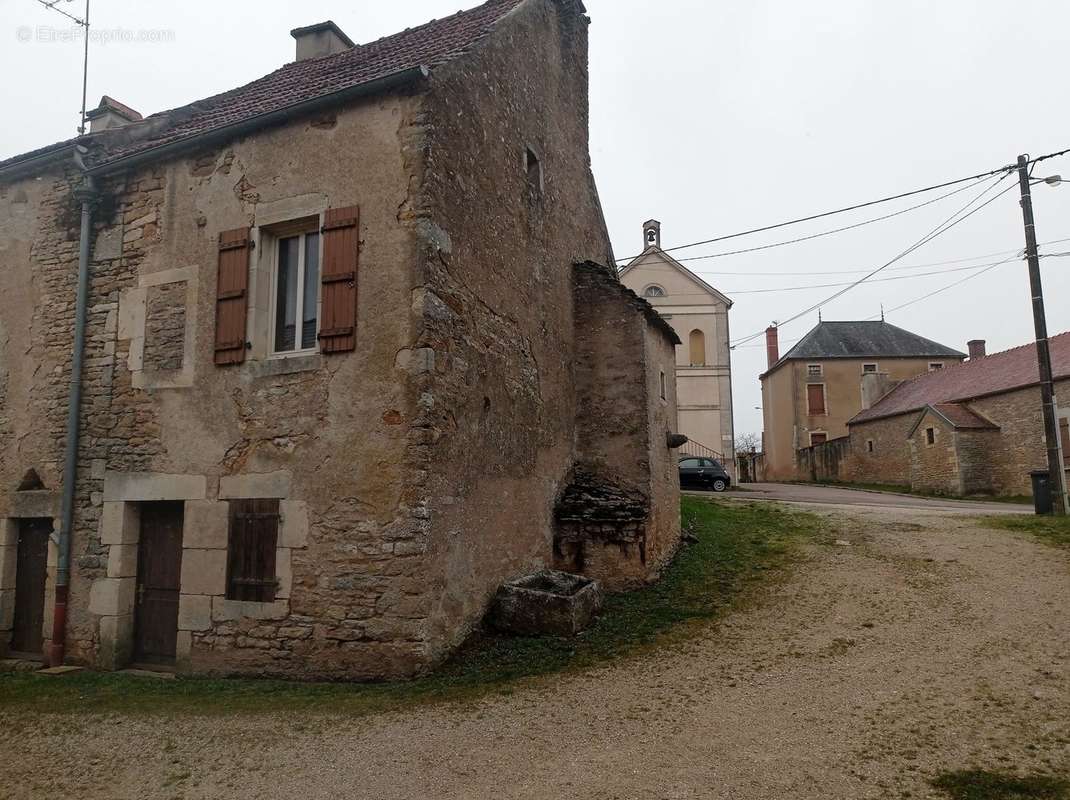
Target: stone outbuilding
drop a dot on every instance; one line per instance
(971, 428)
(351, 333)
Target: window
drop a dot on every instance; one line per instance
(296, 297)
(533, 171)
(930, 436)
(869, 368)
(935, 365)
(253, 535)
(815, 399)
(663, 385)
(814, 371)
(818, 438)
(869, 446)
(653, 290)
(690, 463)
(697, 344)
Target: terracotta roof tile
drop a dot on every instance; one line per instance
(428, 45)
(962, 417)
(999, 372)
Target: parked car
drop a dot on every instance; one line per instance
(699, 472)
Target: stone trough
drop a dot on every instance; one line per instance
(546, 603)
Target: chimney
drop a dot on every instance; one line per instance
(976, 348)
(772, 345)
(110, 114)
(651, 233)
(874, 386)
(321, 39)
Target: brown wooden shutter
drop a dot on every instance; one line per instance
(815, 398)
(1064, 434)
(232, 284)
(338, 295)
(254, 533)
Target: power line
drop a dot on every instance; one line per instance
(860, 271)
(956, 218)
(988, 268)
(833, 230)
(978, 176)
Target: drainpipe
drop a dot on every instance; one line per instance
(85, 193)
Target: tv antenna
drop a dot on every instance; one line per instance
(84, 22)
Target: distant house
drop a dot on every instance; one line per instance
(973, 428)
(699, 315)
(810, 392)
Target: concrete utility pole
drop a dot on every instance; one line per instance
(1040, 324)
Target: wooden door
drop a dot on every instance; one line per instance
(159, 565)
(31, 564)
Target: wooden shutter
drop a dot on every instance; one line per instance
(338, 293)
(254, 533)
(815, 398)
(1064, 434)
(231, 301)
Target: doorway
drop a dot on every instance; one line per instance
(159, 567)
(31, 566)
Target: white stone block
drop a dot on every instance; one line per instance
(255, 486)
(194, 612)
(205, 525)
(120, 523)
(131, 321)
(204, 572)
(8, 560)
(224, 610)
(294, 529)
(112, 596)
(116, 641)
(122, 561)
(149, 486)
(284, 573)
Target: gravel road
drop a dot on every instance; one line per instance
(925, 644)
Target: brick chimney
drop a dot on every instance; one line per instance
(772, 345)
(321, 39)
(976, 348)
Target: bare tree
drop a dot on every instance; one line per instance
(748, 442)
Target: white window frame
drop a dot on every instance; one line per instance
(820, 370)
(654, 286)
(936, 366)
(273, 309)
(874, 364)
(818, 433)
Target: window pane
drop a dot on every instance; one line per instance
(286, 295)
(312, 279)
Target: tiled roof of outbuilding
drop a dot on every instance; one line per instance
(999, 372)
(962, 417)
(428, 45)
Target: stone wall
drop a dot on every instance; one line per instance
(827, 461)
(889, 460)
(934, 467)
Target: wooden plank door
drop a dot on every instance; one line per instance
(159, 565)
(31, 565)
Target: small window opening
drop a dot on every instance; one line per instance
(663, 386)
(935, 365)
(813, 370)
(869, 368)
(533, 170)
(869, 445)
(653, 291)
(930, 436)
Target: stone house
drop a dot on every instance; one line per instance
(973, 428)
(351, 334)
(699, 314)
(812, 391)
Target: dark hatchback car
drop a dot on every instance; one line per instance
(698, 472)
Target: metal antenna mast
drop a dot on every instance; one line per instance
(84, 22)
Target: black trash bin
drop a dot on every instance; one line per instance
(1041, 491)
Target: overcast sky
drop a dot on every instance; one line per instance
(713, 117)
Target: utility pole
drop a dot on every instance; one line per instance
(1047, 389)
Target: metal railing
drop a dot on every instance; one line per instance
(692, 448)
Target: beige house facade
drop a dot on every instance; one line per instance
(811, 392)
(344, 360)
(699, 314)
